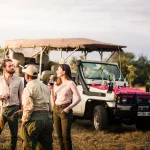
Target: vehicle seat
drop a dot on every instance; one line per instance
(18, 56)
(47, 73)
(45, 61)
(29, 60)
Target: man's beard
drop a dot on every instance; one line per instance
(10, 72)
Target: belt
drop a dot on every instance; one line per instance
(61, 106)
(40, 111)
(11, 106)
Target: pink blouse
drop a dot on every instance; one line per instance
(67, 92)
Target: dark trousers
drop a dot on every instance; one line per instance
(62, 123)
(37, 133)
(12, 119)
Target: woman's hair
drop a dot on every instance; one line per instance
(67, 70)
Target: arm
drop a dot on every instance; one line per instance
(77, 97)
(27, 103)
(53, 97)
(4, 97)
(20, 91)
(20, 94)
(50, 102)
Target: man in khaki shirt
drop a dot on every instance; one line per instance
(36, 118)
(11, 88)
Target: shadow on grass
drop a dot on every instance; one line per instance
(87, 125)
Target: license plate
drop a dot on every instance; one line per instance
(143, 114)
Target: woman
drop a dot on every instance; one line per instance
(62, 94)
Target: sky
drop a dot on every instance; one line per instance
(122, 22)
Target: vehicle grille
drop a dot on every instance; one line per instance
(134, 99)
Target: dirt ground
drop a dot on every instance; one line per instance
(84, 137)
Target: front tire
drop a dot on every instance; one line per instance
(100, 118)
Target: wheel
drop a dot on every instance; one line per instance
(100, 118)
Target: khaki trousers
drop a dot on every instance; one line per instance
(62, 124)
(37, 132)
(12, 119)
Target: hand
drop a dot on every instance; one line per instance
(6, 96)
(51, 87)
(19, 112)
(23, 123)
(66, 110)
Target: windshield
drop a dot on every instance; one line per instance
(101, 71)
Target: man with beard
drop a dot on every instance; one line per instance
(11, 88)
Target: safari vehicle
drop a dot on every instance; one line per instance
(106, 97)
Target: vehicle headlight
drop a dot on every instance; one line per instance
(124, 100)
(117, 97)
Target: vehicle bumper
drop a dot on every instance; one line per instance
(131, 114)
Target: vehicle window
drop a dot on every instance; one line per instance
(101, 71)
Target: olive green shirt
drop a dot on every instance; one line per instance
(35, 97)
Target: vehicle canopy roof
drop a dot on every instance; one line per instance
(60, 44)
(36, 46)
(66, 44)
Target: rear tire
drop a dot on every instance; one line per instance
(100, 118)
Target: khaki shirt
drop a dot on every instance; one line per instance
(36, 96)
(14, 90)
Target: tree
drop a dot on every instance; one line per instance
(126, 60)
(1, 49)
(1, 54)
(143, 70)
(137, 71)
(73, 62)
(131, 75)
